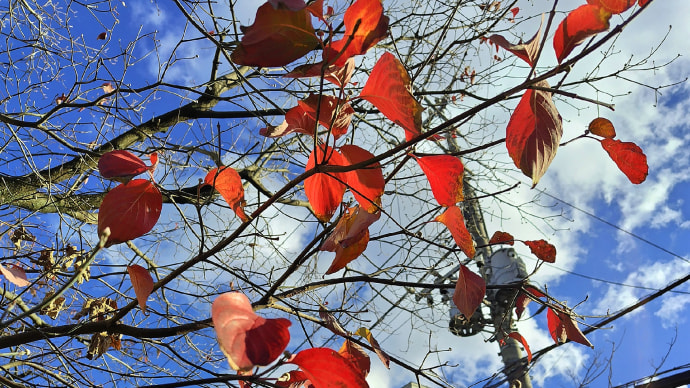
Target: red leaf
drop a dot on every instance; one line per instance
(469, 291)
(277, 37)
(142, 282)
(602, 127)
(515, 11)
(15, 275)
(324, 190)
(130, 210)
(121, 164)
(614, 6)
(526, 51)
(388, 89)
(357, 357)
(102, 36)
(516, 336)
(562, 327)
(629, 158)
(246, 339)
(350, 228)
(325, 368)
(366, 333)
(365, 25)
(366, 183)
(294, 379)
(534, 132)
(642, 3)
(523, 300)
(345, 254)
(543, 250)
(296, 120)
(453, 220)
(334, 114)
(338, 75)
(580, 24)
(444, 173)
(502, 238)
(229, 184)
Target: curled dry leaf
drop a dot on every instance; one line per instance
(246, 339)
(102, 36)
(469, 292)
(277, 37)
(389, 90)
(602, 127)
(543, 250)
(445, 176)
(526, 51)
(534, 132)
(629, 158)
(331, 322)
(523, 299)
(14, 274)
(130, 210)
(453, 219)
(226, 180)
(324, 190)
(350, 237)
(325, 367)
(580, 24)
(502, 238)
(366, 333)
(142, 282)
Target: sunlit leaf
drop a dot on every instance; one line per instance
(629, 158)
(357, 356)
(246, 339)
(365, 25)
(526, 51)
(365, 183)
(366, 333)
(469, 293)
(389, 90)
(294, 379)
(642, 3)
(296, 120)
(142, 282)
(333, 114)
(14, 274)
(502, 238)
(562, 328)
(324, 190)
(130, 210)
(338, 75)
(120, 164)
(543, 250)
(453, 219)
(277, 37)
(534, 132)
(515, 335)
(345, 254)
(602, 127)
(325, 368)
(614, 6)
(444, 173)
(228, 183)
(580, 24)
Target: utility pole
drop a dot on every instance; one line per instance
(500, 267)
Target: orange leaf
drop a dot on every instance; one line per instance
(345, 254)
(516, 336)
(326, 368)
(444, 173)
(526, 51)
(614, 6)
(338, 75)
(388, 89)
(350, 228)
(580, 24)
(469, 291)
(142, 282)
(562, 327)
(277, 37)
(296, 120)
(229, 184)
(15, 275)
(502, 238)
(543, 250)
(324, 190)
(365, 25)
(121, 164)
(366, 333)
(534, 132)
(246, 339)
(629, 158)
(130, 210)
(602, 127)
(453, 220)
(642, 3)
(334, 114)
(366, 183)
(357, 356)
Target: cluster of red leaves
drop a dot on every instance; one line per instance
(628, 156)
